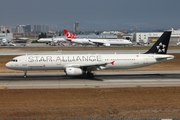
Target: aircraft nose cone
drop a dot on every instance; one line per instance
(8, 65)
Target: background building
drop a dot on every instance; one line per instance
(76, 24)
(40, 28)
(21, 29)
(8, 36)
(3, 28)
(151, 37)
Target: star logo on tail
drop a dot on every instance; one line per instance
(161, 47)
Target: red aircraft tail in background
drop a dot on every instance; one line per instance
(68, 34)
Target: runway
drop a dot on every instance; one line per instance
(18, 50)
(102, 80)
(80, 52)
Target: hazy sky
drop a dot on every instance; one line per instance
(93, 14)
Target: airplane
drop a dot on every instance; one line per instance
(85, 64)
(96, 42)
(53, 40)
(23, 41)
(6, 42)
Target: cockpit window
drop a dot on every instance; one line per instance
(14, 60)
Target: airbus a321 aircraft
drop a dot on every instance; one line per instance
(96, 42)
(85, 64)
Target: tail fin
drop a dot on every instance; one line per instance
(161, 46)
(68, 34)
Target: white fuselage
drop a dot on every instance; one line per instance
(105, 42)
(100, 61)
(52, 40)
(112, 41)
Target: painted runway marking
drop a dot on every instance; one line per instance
(157, 80)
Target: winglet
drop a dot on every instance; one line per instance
(161, 46)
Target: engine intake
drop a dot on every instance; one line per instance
(70, 71)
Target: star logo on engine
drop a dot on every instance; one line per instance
(161, 47)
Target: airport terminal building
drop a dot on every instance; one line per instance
(151, 37)
(8, 36)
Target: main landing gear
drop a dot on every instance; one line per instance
(25, 74)
(90, 74)
(87, 73)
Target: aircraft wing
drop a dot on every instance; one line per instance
(68, 39)
(23, 38)
(91, 67)
(29, 41)
(98, 43)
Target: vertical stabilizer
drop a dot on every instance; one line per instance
(161, 46)
(68, 34)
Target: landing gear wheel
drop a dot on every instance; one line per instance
(25, 74)
(90, 75)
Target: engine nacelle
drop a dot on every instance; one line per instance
(106, 44)
(70, 71)
(4, 40)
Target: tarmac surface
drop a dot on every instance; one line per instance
(81, 52)
(102, 80)
(60, 50)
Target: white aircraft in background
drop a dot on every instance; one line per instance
(85, 64)
(23, 41)
(95, 42)
(53, 40)
(6, 42)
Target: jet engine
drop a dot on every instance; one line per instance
(106, 44)
(70, 71)
(4, 40)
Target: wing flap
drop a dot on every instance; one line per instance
(97, 43)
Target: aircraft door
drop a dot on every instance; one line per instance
(99, 58)
(24, 61)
